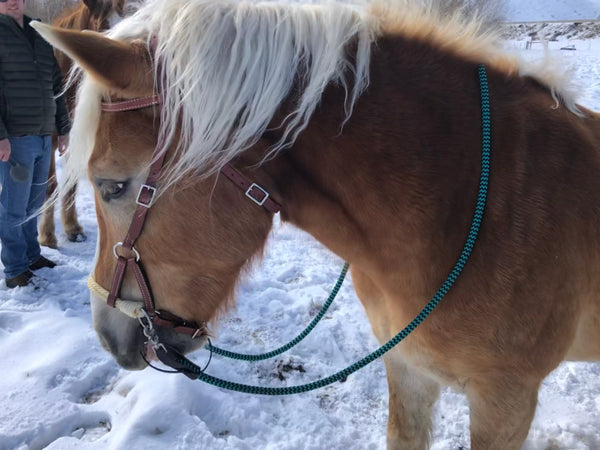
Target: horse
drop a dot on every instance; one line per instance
(96, 15)
(199, 120)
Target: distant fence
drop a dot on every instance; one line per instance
(543, 42)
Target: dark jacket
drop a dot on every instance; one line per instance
(30, 82)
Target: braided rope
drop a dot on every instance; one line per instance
(443, 290)
(293, 342)
(132, 308)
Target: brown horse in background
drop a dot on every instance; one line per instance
(364, 125)
(95, 15)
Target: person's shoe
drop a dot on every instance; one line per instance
(42, 262)
(23, 279)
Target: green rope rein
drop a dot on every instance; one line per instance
(293, 342)
(450, 280)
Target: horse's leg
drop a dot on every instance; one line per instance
(46, 231)
(501, 411)
(411, 393)
(71, 225)
(412, 396)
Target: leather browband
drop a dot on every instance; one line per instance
(130, 105)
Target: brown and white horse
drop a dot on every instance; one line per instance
(96, 15)
(364, 124)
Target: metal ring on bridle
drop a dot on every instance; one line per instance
(119, 244)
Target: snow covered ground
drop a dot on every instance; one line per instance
(59, 390)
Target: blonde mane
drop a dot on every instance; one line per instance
(231, 64)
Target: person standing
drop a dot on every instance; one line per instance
(31, 108)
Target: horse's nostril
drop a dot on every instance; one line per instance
(104, 342)
(126, 347)
(131, 361)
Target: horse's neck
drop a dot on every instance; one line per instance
(386, 184)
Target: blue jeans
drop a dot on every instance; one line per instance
(20, 200)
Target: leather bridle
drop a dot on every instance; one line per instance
(147, 314)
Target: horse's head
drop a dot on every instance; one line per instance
(200, 232)
(103, 14)
(236, 83)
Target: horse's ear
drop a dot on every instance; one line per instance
(91, 4)
(118, 65)
(119, 7)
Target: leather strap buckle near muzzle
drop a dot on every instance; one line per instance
(147, 311)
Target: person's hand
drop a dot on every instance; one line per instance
(4, 149)
(63, 144)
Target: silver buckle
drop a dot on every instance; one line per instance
(255, 200)
(151, 190)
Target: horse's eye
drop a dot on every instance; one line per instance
(110, 189)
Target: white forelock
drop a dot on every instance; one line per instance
(227, 67)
